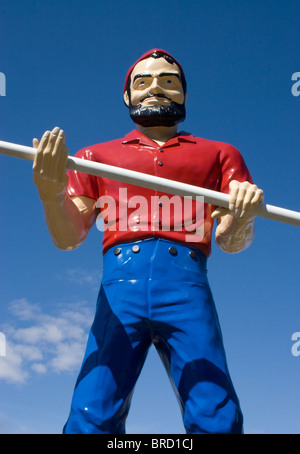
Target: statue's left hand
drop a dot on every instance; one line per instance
(243, 197)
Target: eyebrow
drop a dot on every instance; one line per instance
(137, 76)
(170, 74)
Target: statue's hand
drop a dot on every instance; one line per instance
(243, 197)
(49, 166)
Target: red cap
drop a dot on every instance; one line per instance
(143, 57)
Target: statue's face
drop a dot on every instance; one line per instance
(156, 93)
(156, 76)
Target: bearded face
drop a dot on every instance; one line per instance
(156, 96)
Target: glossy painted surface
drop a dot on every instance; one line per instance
(154, 291)
(183, 158)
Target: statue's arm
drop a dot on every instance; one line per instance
(69, 219)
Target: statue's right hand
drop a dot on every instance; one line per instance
(50, 165)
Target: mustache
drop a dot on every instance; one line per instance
(158, 95)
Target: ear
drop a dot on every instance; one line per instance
(126, 99)
(185, 98)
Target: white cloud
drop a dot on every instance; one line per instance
(24, 310)
(11, 366)
(29, 352)
(39, 368)
(67, 356)
(40, 342)
(31, 335)
(82, 277)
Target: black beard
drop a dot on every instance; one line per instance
(157, 115)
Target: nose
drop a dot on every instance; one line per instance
(155, 87)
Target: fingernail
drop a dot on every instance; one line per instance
(61, 134)
(47, 134)
(231, 206)
(55, 130)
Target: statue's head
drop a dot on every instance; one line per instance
(155, 90)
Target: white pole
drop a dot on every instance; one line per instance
(153, 182)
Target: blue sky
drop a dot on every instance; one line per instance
(65, 63)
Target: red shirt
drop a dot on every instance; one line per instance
(133, 213)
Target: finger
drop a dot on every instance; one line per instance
(35, 143)
(38, 160)
(233, 194)
(56, 153)
(48, 162)
(241, 194)
(253, 199)
(60, 155)
(63, 162)
(248, 199)
(259, 197)
(52, 140)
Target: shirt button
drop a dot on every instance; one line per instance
(193, 254)
(117, 251)
(160, 204)
(161, 150)
(173, 250)
(135, 248)
(160, 163)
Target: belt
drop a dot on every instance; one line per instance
(174, 249)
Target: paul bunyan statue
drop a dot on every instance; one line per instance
(154, 288)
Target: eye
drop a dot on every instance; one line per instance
(140, 83)
(170, 82)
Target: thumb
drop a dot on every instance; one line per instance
(219, 212)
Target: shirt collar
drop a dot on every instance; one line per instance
(136, 136)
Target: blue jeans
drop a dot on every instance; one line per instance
(154, 292)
